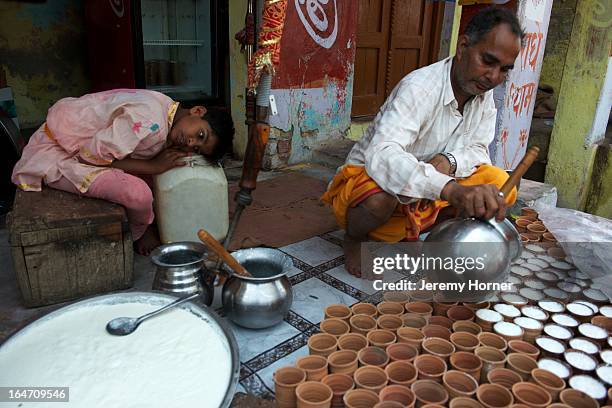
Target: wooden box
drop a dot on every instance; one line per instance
(65, 246)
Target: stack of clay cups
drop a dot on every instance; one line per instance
(416, 353)
(531, 229)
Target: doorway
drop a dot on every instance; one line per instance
(394, 37)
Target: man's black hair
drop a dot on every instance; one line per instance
(222, 124)
(489, 18)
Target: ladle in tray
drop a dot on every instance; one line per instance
(122, 326)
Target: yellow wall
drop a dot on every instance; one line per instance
(557, 43)
(571, 162)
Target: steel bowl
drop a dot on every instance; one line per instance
(496, 242)
(264, 299)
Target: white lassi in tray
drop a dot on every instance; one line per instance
(177, 359)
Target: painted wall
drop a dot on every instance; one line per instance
(515, 99)
(559, 32)
(314, 81)
(571, 160)
(599, 201)
(42, 50)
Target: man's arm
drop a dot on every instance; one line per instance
(165, 160)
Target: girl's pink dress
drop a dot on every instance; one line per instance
(97, 129)
(82, 136)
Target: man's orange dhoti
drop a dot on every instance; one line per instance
(352, 185)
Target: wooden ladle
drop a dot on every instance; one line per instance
(520, 170)
(218, 249)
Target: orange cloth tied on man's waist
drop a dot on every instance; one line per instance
(352, 185)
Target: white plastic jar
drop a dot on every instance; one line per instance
(190, 198)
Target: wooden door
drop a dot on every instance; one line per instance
(394, 37)
(373, 31)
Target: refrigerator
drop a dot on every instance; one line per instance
(177, 47)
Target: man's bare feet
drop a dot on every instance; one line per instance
(356, 258)
(148, 242)
(352, 256)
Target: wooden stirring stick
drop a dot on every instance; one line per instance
(520, 170)
(218, 249)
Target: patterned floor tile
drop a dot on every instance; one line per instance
(376, 298)
(254, 385)
(337, 234)
(334, 237)
(294, 271)
(324, 267)
(343, 287)
(244, 371)
(313, 251)
(254, 342)
(299, 264)
(280, 351)
(311, 296)
(266, 373)
(298, 321)
(363, 285)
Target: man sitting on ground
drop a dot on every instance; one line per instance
(425, 156)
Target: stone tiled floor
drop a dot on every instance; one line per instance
(318, 278)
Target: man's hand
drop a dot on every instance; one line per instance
(481, 201)
(441, 164)
(167, 159)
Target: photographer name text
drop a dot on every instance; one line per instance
(470, 285)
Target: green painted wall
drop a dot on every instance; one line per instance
(238, 75)
(43, 52)
(557, 43)
(600, 196)
(570, 162)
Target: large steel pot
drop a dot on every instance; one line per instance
(264, 299)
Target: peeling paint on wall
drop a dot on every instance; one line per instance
(43, 52)
(314, 81)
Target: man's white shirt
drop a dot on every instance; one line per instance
(417, 121)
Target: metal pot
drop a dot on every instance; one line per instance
(180, 270)
(264, 299)
(496, 243)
